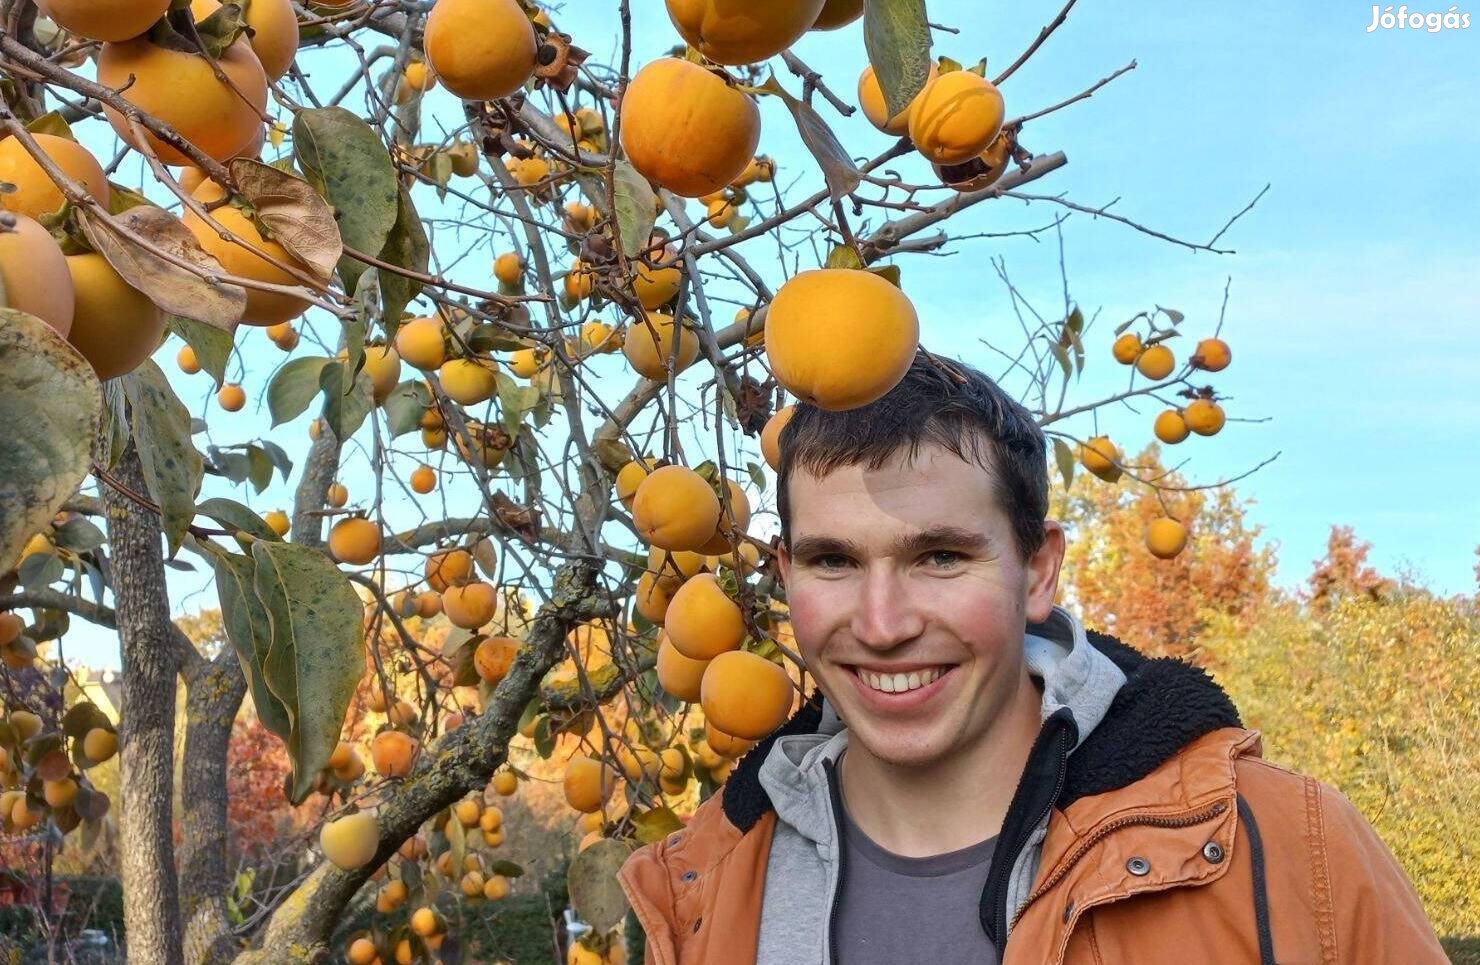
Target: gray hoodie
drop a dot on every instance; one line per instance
(802, 874)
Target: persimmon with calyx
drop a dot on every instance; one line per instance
(1156, 362)
(871, 100)
(468, 381)
(480, 49)
(675, 509)
(840, 338)
(354, 540)
(686, 129)
(105, 19)
(679, 675)
(35, 194)
(1102, 458)
(1211, 354)
(735, 32)
(588, 783)
(956, 117)
(1170, 427)
(420, 343)
(181, 89)
(493, 658)
(351, 841)
(745, 695)
(656, 341)
(1127, 348)
(448, 567)
(771, 436)
(1204, 417)
(274, 37)
(393, 753)
(1165, 537)
(263, 308)
(702, 621)
(470, 605)
(33, 273)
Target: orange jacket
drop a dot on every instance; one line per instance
(1212, 855)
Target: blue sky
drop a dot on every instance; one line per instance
(1352, 306)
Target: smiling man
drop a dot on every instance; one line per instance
(977, 778)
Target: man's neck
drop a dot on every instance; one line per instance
(949, 805)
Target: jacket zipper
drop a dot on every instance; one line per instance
(834, 796)
(1004, 861)
(1130, 820)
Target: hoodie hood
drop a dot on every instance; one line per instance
(1074, 675)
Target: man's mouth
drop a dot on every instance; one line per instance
(901, 680)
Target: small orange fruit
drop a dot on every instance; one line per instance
(355, 540)
(1127, 348)
(1204, 417)
(1165, 537)
(1156, 362)
(1211, 355)
(423, 479)
(1170, 427)
(231, 397)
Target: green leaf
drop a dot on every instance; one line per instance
(172, 466)
(889, 273)
(345, 413)
(317, 654)
(234, 516)
(346, 162)
(52, 123)
(506, 868)
(51, 406)
(78, 535)
(403, 408)
(656, 824)
(407, 247)
(515, 399)
(1062, 355)
(457, 840)
(897, 35)
(294, 386)
(838, 169)
(1065, 458)
(757, 475)
(249, 628)
(40, 570)
(634, 207)
(544, 741)
(212, 345)
(594, 892)
(259, 467)
(844, 256)
(122, 197)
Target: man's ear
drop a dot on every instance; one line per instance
(1042, 576)
(783, 562)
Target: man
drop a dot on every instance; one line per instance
(960, 790)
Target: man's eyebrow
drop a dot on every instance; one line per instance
(955, 536)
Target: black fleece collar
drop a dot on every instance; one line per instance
(1165, 705)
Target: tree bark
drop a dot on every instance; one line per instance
(213, 695)
(313, 486)
(146, 732)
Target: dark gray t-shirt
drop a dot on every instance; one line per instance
(896, 909)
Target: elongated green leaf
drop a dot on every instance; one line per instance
(233, 515)
(1065, 458)
(293, 388)
(345, 412)
(172, 466)
(212, 345)
(317, 654)
(407, 247)
(403, 408)
(345, 160)
(634, 207)
(249, 628)
(838, 169)
(50, 405)
(897, 35)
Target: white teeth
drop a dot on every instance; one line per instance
(899, 683)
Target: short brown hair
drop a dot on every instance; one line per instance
(938, 401)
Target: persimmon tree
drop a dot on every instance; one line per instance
(500, 529)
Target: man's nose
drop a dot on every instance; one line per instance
(885, 615)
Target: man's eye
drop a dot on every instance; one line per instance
(951, 556)
(821, 562)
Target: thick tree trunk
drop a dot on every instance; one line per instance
(147, 731)
(213, 695)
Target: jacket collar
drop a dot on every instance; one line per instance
(1131, 713)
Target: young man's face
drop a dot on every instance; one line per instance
(916, 639)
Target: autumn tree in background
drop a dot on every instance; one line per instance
(519, 555)
(1164, 605)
